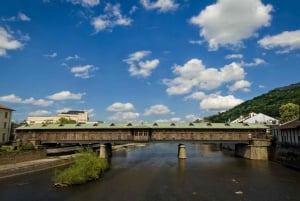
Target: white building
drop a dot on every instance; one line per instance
(288, 133)
(78, 116)
(257, 118)
(5, 123)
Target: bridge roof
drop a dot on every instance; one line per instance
(142, 125)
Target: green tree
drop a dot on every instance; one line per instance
(66, 121)
(288, 112)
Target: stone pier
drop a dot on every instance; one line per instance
(181, 151)
(102, 151)
(257, 149)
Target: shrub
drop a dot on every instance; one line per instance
(87, 166)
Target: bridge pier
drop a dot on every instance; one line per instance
(256, 150)
(105, 150)
(181, 151)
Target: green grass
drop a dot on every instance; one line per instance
(87, 166)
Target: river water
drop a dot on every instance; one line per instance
(153, 173)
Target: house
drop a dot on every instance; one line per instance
(257, 118)
(5, 123)
(78, 116)
(288, 133)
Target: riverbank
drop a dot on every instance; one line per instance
(11, 170)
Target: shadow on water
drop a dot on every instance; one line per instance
(155, 173)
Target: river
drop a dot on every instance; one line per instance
(153, 173)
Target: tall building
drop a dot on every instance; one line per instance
(76, 115)
(5, 123)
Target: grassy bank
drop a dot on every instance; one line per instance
(87, 166)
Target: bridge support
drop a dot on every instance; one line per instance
(256, 150)
(181, 151)
(102, 151)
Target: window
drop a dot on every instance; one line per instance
(3, 137)
(6, 115)
(5, 124)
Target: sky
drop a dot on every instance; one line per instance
(144, 60)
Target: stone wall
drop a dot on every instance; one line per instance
(21, 156)
(287, 155)
(257, 150)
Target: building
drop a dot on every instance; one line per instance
(288, 133)
(5, 123)
(254, 118)
(78, 116)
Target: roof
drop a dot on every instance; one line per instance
(291, 124)
(142, 125)
(6, 108)
(73, 112)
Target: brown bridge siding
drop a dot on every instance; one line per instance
(140, 134)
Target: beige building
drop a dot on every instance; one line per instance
(78, 116)
(5, 123)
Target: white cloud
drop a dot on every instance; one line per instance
(23, 17)
(75, 57)
(192, 117)
(40, 113)
(228, 22)
(66, 95)
(124, 116)
(256, 62)
(197, 42)
(194, 74)
(120, 107)
(12, 98)
(137, 67)
(287, 41)
(7, 42)
(133, 9)
(240, 85)
(157, 110)
(83, 72)
(219, 103)
(85, 3)
(53, 55)
(161, 5)
(196, 96)
(63, 110)
(234, 56)
(110, 19)
(173, 120)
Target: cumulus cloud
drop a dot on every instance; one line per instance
(240, 85)
(66, 95)
(234, 56)
(52, 55)
(40, 113)
(219, 103)
(20, 17)
(7, 42)
(12, 98)
(85, 3)
(173, 120)
(23, 17)
(194, 74)
(124, 116)
(139, 67)
(228, 22)
(287, 41)
(120, 107)
(161, 5)
(83, 72)
(112, 17)
(192, 117)
(256, 62)
(196, 96)
(157, 110)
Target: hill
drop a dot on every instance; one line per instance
(267, 103)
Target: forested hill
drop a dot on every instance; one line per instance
(268, 104)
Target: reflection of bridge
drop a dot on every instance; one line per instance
(141, 132)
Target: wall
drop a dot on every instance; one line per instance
(257, 150)
(21, 156)
(287, 155)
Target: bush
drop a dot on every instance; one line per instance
(6, 148)
(87, 166)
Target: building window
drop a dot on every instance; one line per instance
(3, 137)
(6, 115)
(5, 124)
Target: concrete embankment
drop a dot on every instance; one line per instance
(24, 167)
(286, 155)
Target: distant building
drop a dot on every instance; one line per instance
(78, 116)
(253, 118)
(288, 133)
(5, 123)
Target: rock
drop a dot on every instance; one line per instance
(239, 193)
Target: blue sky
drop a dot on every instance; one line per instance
(144, 60)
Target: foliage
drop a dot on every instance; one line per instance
(289, 112)
(6, 148)
(87, 166)
(268, 104)
(27, 146)
(64, 120)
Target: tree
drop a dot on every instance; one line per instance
(289, 112)
(66, 121)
